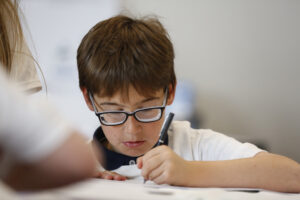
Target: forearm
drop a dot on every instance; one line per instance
(73, 161)
(266, 171)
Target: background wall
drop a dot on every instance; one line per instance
(241, 56)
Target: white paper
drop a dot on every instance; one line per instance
(134, 189)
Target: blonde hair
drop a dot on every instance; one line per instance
(11, 34)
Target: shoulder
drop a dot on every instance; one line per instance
(206, 144)
(185, 140)
(183, 130)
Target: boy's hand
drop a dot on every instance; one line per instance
(163, 166)
(110, 176)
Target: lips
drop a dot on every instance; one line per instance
(133, 144)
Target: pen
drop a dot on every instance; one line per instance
(164, 131)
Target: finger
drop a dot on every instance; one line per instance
(118, 177)
(100, 175)
(155, 151)
(122, 178)
(107, 176)
(150, 164)
(139, 162)
(163, 176)
(156, 172)
(160, 179)
(151, 160)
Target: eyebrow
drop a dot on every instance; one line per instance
(116, 104)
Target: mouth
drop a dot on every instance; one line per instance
(133, 144)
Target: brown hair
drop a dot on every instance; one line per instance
(11, 35)
(121, 51)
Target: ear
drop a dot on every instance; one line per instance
(85, 94)
(171, 94)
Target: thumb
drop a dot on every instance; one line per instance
(139, 162)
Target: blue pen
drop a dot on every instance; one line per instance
(164, 131)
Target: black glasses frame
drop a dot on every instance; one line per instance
(98, 114)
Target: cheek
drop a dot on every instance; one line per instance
(151, 130)
(112, 134)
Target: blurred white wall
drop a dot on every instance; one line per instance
(242, 56)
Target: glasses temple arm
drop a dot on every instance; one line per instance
(92, 101)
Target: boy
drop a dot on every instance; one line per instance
(126, 74)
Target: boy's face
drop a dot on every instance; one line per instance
(132, 138)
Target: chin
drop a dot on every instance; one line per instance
(134, 153)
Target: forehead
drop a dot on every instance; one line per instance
(130, 97)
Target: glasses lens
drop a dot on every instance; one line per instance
(112, 118)
(148, 115)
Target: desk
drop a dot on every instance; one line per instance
(98, 189)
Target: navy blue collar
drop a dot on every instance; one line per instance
(113, 160)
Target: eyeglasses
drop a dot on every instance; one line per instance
(145, 115)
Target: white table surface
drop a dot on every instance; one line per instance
(97, 189)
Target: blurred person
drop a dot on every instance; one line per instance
(39, 148)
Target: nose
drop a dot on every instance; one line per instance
(132, 126)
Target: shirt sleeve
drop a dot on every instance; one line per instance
(217, 146)
(28, 130)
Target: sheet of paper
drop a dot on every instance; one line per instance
(118, 190)
(134, 189)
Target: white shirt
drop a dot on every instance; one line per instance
(205, 144)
